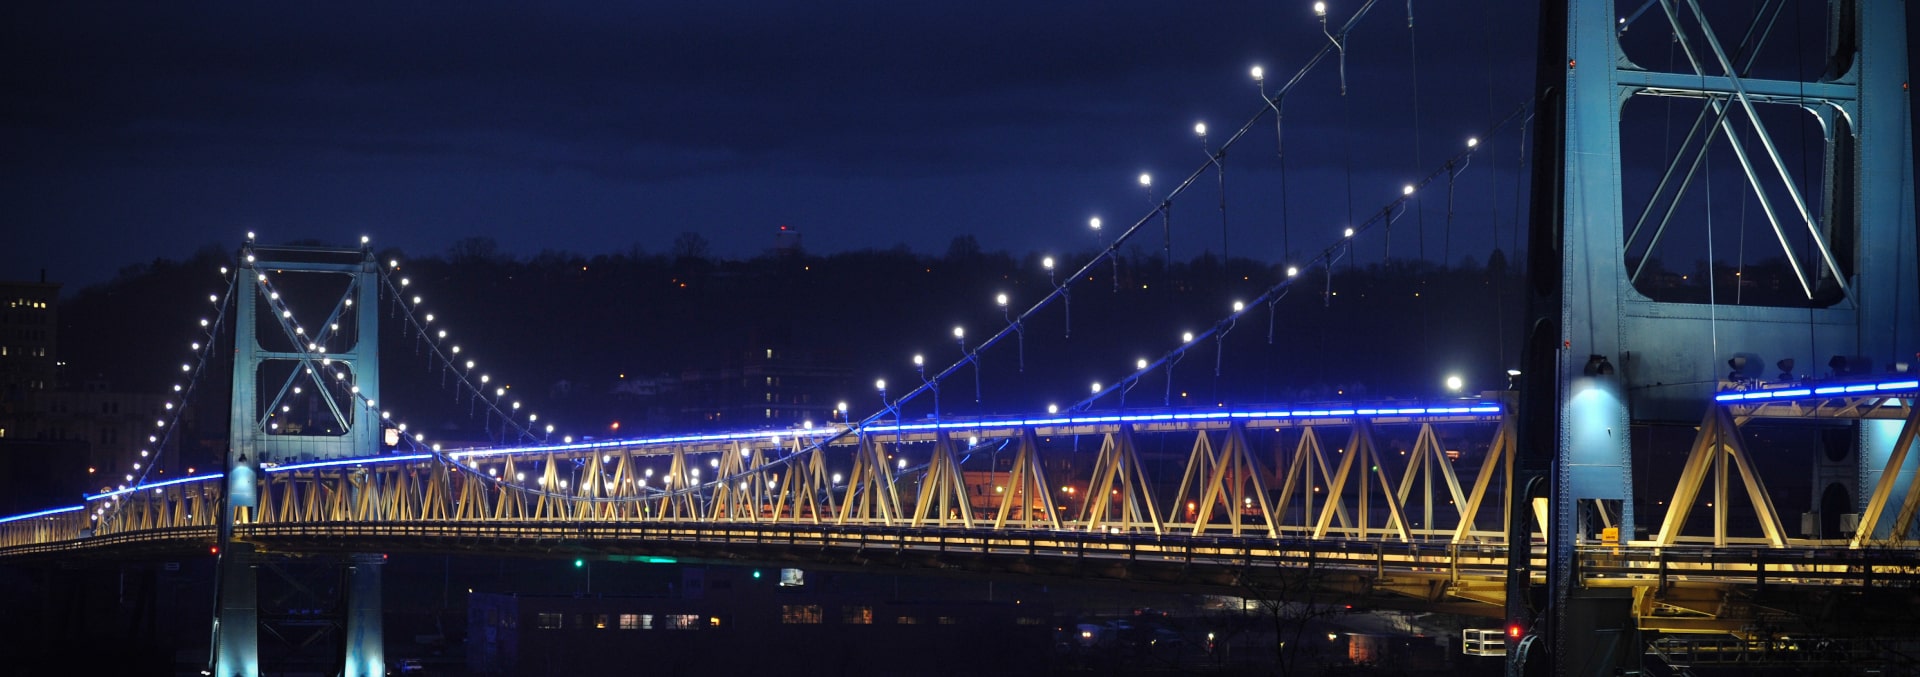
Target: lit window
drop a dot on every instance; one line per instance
(680, 621)
(856, 615)
(801, 614)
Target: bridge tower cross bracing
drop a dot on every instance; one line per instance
(1615, 354)
(315, 355)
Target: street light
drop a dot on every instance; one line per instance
(1454, 384)
(1066, 297)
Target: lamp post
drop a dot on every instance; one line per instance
(920, 367)
(960, 337)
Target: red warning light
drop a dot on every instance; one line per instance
(215, 550)
(1514, 631)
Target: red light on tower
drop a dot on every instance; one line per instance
(215, 550)
(1513, 631)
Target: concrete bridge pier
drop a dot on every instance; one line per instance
(366, 653)
(236, 633)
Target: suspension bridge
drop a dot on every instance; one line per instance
(1534, 525)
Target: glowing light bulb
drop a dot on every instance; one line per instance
(1186, 337)
(1472, 141)
(1200, 128)
(879, 385)
(1001, 299)
(1238, 306)
(1053, 408)
(1292, 271)
(959, 332)
(1096, 387)
(1146, 180)
(1259, 73)
(1095, 221)
(1407, 189)
(1140, 363)
(1320, 9)
(1046, 263)
(1349, 232)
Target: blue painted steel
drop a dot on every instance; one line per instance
(366, 651)
(252, 440)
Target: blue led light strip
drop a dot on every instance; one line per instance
(1454, 409)
(1822, 392)
(43, 513)
(155, 485)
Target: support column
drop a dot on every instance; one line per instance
(366, 652)
(236, 629)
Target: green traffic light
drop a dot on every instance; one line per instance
(756, 573)
(579, 563)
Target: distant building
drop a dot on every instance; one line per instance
(112, 426)
(769, 386)
(29, 334)
(65, 438)
(732, 621)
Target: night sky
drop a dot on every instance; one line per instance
(141, 130)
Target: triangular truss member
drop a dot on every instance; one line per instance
(1718, 442)
(623, 487)
(870, 492)
(807, 486)
(1234, 471)
(1119, 485)
(552, 502)
(1361, 450)
(471, 502)
(1499, 459)
(677, 502)
(1200, 464)
(1426, 460)
(944, 488)
(735, 493)
(513, 503)
(1307, 471)
(1883, 490)
(436, 494)
(1027, 485)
